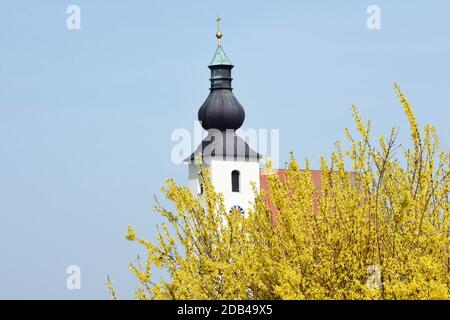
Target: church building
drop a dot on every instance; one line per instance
(234, 167)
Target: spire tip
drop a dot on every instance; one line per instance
(218, 34)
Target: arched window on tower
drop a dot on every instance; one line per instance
(235, 181)
(200, 184)
(238, 209)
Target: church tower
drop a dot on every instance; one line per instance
(233, 165)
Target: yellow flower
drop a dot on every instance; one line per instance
(385, 224)
(131, 234)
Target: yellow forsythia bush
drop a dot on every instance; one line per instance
(379, 229)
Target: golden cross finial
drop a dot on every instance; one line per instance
(218, 34)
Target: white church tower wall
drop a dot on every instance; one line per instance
(233, 165)
(222, 180)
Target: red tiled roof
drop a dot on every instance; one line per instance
(316, 177)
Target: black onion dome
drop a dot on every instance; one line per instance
(221, 110)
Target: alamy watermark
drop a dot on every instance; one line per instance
(374, 279)
(374, 20)
(73, 21)
(227, 144)
(73, 281)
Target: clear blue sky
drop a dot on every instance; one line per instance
(86, 116)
